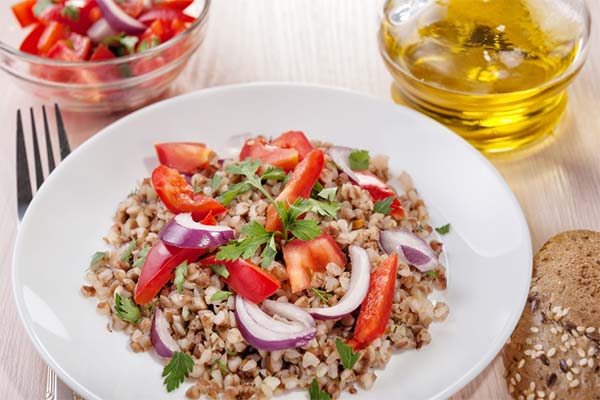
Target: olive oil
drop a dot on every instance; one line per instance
(494, 71)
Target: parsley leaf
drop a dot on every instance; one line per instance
(215, 182)
(384, 206)
(222, 366)
(317, 394)
(197, 189)
(314, 193)
(248, 169)
(268, 253)
(123, 41)
(180, 273)
(322, 295)
(127, 254)
(126, 309)
(347, 354)
(255, 236)
(220, 295)
(97, 258)
(273, 173)
(220, 269)
(232, 192)
(443, 230)
(359, 159)
(433, 273)
(178, 368)
(324, 208)
(304, 229)
(139, 263)
(328, 193)
(231, 352)
(70, 12)
(146, 44)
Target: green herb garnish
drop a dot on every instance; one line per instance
(383, 206)
(178, 368)
(126, 257)
(273, 173)
(180, 273)
(222, 366)
(146, 44)
(70, 12)
(124, 44)
(231, 352)
(359, 160)
(220, 269)
(221, 295)
(255, 235)
(97, 258)
(443, 230)
(232, 192)
(433, 273)
(41, 6)
(317, 394)
(347, 354)
(328, 193)
(215, 182)
(141, 257)
(322, 295)
(126, 309)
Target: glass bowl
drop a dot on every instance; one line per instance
(112, 85)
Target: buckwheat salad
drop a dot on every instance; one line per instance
(295, 265)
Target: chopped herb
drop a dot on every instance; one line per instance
(273, 173)
(255, 235)
(231, 352)
(126, 257)
(419, 228)
(97, 258)
(443, 230)
(139, 263)
(41, 6)
(314, 193)
(359, 160)
(324, 208)
(222, 366)
(220, 269)
(347, 354)
(126, 309)
(384, 206)
(152, 305)
(317, 394)
(215, 182)
(197, 189)
(303, 229)
(125, 44)
(178, 368)
(221, 295)
(70, 44)
(146, 44)
(328, 193)
(322, 295)
(180, 273)
(70, 12)
(433, 273)
(248, 169)
(232, 192)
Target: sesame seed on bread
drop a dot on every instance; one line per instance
(554, 352)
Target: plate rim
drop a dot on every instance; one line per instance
(484, 360)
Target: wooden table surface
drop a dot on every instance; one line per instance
(329, 42)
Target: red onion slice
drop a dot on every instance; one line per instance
(359, 285)
(118, 19)
(250, 319)
(289, 311)
(100, 31)
(161, 338)
(410, 247)
(185, 233)
(339, 155)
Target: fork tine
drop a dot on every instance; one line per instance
(49, 151)
(65, 149)
(24, 194)
(39, 173)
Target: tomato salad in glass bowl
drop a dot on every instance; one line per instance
(294, 264)
(101, 55)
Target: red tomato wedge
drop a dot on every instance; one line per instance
(158, 269)
(178, 196)
(379, 190)
(376, 308)
(176, 4)
(23, 11)
(294, 140)
(300, 184)
(303, 258)
(53, 33)
(209, 219)
(246, 279)
(102, 53)
(79, 22)
(185, 157)
(30, 44)
(259, 149)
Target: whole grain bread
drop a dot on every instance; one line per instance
(554, 351)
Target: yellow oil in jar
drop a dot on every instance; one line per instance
(494, 71)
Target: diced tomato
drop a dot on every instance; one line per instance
(54, 32)
(209, 220)
(166, 14)
(82, 45)
(185, 157)
(158, 269)
(379, 190)
(94, 14)
(305, 257)
(376, 308)
(102, 53)
(294, 140)
(300, 184)
(132, 7)
(75, 48)
(23, 11)
(30, 43)
(178, 196)
(176, 4)
(178, 26)
(79, 23)
(158, 29)
(61, 50)
(259, 149)
(247, 279)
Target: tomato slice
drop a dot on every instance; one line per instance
(294, 140)
(246, 278)
(376, 308)
(259, 149)
(178, 196)
(77, 19)
(23, 11)
(379, 190)
(102, 52)
(300, 184)
(176, 4)
(158, 268)
(30, 43)
(185, 157)
(54, 32)
(303, 258)
(82, 45)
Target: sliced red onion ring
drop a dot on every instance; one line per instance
(271, 337)
(118, 19)
(339, 155)
(410, 247)
(359, 285)
(185, 233)
(100, 31)
(161, 338)
(289, 311)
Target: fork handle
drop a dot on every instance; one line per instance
(56, 389)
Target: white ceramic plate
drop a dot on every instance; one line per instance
(488, 250)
